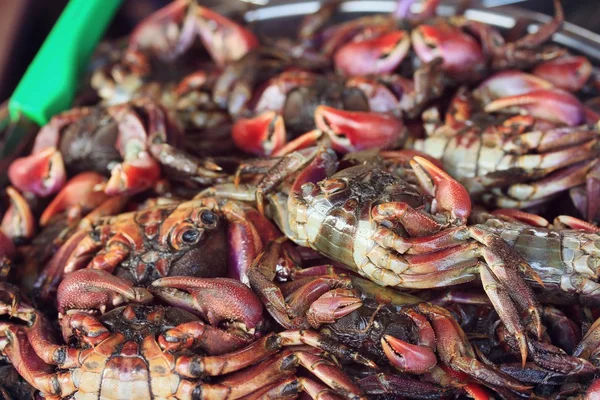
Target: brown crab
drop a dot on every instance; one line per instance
(130, 142)
(205, 237)
(144, 351)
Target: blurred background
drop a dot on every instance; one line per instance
(25, 23)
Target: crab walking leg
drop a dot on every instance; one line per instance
(118, 248)
(198, 335)
(194, 365)
(289, 360)
(33, 369)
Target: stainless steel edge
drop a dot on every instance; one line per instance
(571, 36)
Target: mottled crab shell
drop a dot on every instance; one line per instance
(334, 216)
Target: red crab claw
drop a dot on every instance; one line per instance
(510, 83)
(450, 196)
(554, 105)
(575, 223)
(456, 352)
(406, 357)
(81, 194)
(134, 176)
(569, 73)
(273, 97)
(331, 306)
(379, 96)
(18, 221)
(139, 171)
(461, 53)
(42, 173)
(521, 216)
(224, 40)
(156, 34)
(262, 135)
(378, 55)
(97, 290)
(217, 300)
(354, 131)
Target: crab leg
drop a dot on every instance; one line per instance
(553, 358)
(18, 221)
(82, 193)
(33, 369)
(382, 384)
(198, 335)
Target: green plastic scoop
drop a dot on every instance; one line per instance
(49, 84)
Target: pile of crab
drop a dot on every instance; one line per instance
(390, 206)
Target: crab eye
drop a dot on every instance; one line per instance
(190, 236)
(208, 217)
(184, 235)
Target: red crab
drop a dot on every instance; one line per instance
(145, 351)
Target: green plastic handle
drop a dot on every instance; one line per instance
(49, 84)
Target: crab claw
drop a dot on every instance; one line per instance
(354, 131)
(18, 222)
(554, 105)
(224, 40)
(82, 193)
(510, 83)
(97, 290)
(575, 223)
(42, 173)
(133, 176)
(461, 52)
(378, 55)
(450, 196)
(569, 73)
(262, 135)
(217, 300)
(455, 350)
(331, 306)
(408, 357)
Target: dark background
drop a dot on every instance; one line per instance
(25, 23)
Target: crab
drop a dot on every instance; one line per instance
(165, 36)
(160, 351)
(564, 254)
(518, 161)
(178, 238)
(128, 141)
(394, 233)
(378, 44)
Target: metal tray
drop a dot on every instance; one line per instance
(281, 17)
